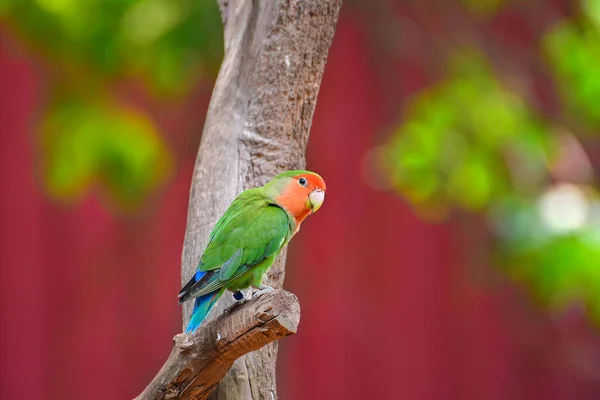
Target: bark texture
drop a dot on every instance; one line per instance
(199, 360)
(257, 125)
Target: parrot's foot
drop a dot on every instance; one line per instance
(241, 298)
(262, 289)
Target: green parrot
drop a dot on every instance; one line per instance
(249, 236)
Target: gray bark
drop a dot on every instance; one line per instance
(199, 360)
(257, 125)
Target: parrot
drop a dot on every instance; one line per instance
(248, 237)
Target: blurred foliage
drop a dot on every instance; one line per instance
(458, 135)
(554, 248)
(578, 73)
(470, 142)
(115, 147)
(166, 43)
(91, 46)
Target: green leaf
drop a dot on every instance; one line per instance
(94, 144)
(454, 144)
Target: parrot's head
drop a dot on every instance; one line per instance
(299, 192)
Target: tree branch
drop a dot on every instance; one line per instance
(198, 361)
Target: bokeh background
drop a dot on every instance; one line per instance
(457, 255)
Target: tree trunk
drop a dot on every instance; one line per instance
(257, 125)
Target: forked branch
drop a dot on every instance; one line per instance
(199, 361)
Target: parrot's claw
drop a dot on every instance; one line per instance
(262, 290)
(240, 298)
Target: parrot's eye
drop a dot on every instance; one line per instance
(302, 181)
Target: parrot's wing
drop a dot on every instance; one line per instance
(243, 237)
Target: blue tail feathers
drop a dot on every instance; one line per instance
(202, 306)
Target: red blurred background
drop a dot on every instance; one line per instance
(392, 306)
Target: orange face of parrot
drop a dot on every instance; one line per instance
(303, 195)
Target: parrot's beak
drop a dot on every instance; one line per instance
(316, 198)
